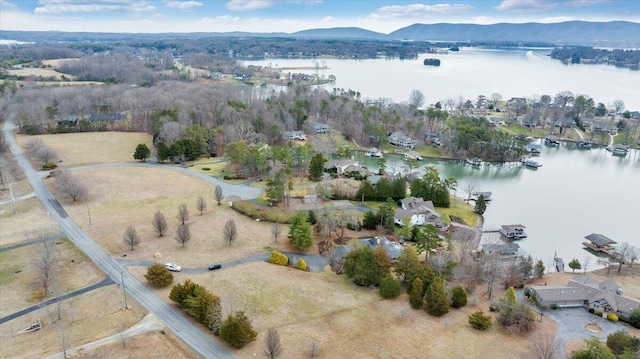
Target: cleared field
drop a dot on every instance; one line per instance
(76, 149)
(44, 72)
(85, 318)
(30, 221)
(19, 281)
(119, 197)
(150, 345)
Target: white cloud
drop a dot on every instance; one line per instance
(418, 10)
(329, 19)
(243, 5)
(70, 6)
(6, 5)
(183, 5)
(548, 20)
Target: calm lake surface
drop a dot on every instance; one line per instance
(575, 192)
(472, 72)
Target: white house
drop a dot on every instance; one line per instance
(419, 212)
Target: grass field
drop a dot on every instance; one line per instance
(77, 149)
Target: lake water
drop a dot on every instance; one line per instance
(575, 192)
(472, 72)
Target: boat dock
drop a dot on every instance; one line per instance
(559, 263)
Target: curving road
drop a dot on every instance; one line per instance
(191, 335)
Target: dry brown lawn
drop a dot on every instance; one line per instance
(77, 149)
(85, 318)
(124, 196)
(19, 277)
(30, 221)
(44, 72)
(150, 345)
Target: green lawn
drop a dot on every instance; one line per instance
(516, 129)
(459, 208)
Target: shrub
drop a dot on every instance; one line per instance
(591, 310)
(159, 276)
(634, 319)
(237, 330)
(458, 297)
(389, 287)
(598, 313)
(553, 306)
(302, 265)
(278, 258)
(612, 317)
(480, 321)
(49, 166)
(206, 168)
(415, 295)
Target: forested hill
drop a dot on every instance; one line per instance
(610, 34)
(619, 34)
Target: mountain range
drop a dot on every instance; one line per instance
(619, 34)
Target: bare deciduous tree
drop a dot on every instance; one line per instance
(183, 213)
(272, 347)
(201, 205)
(469, 187)
(7, 172)
(587, 259)
(183, 234)
(276, 230)
(159, 223)
(131, 237)
(70, 186)
(546, 346)
(45, 154)
(230, 231)
(632, 255)
(219, 194)
(45, 262)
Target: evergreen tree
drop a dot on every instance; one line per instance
(481, 205)
(142, 152)
(480, 321)
(594, 349)
(361, 266)
(427, 239)
(407, 264)
(237, 330)
(539, 269)
(300, 232)
(575, 264)
(366, 191)
(316, 167)
(415, 295)
(458, 297)
(276, 187)
(163, 152)
(436, 298)
(158, 275)
(389, 287)
(383, 261)
(371, 220)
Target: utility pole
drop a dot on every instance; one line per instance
(13, 200)
(89, 213)
(124, 292)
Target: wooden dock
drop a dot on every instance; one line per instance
(559, 263)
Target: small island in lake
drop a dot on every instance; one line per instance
(432, 62)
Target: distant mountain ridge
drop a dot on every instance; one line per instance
(620, 34)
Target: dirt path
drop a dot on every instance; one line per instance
(579, 133)
(147, 324)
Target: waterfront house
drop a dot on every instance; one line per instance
(294, 135)
(599, 243)
(532, 148)
(419, 212)
(584, 291)
(513, 231)
(401, 139)
(319, 128)
(373, 152)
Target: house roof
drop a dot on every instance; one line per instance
(339, 163)
(588, 289)
(511, 227)
(502, 248)
(599, 239)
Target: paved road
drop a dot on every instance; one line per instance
(191, 335)
(104, 282)
(18, 199)
(243, 191)
(316, 263)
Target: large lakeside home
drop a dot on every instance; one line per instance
(584, 291)
(401, 139)
(419, 212)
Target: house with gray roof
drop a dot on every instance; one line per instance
(401, 139)
(419, 212)
(502, 249)
(584, 291)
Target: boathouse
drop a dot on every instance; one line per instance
(599, 243)
(513, 231)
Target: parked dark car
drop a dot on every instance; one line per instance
(215, 266)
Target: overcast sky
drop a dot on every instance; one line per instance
(293, 15)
